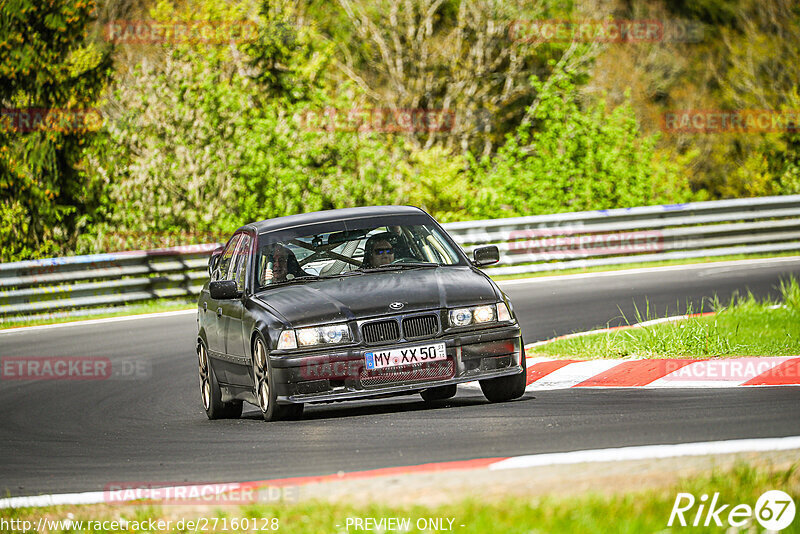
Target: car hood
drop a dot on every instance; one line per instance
(370, 294)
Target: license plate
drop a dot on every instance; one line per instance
(381, 359)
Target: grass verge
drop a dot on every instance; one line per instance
(628, 512)
(743, 327)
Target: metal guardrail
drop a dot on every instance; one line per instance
(633, 235)
(96, 283)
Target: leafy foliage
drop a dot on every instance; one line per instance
(48, 71)
(746, 57)
(438, 182)
(461, 56)
(200, 138)
(572, 156)
(211, 138)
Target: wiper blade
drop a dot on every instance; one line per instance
(298, 280)
(399, 267)
(346, 273)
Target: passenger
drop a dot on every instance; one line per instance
(281, 265)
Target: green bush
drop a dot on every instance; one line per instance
(47, 68)
(574, 155)
(213, 137)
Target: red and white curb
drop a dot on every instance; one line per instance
(214, 493)
(548, 373)
(544, 373)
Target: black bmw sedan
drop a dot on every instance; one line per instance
(347, 304)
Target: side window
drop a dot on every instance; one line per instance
(224, 264)
(240, 262)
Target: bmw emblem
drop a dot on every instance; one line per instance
(396, 305)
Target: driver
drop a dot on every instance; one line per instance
(378, 251)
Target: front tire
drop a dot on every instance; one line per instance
(506, 388)
(265, 392)
(210, 392)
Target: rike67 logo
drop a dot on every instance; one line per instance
(774, 510)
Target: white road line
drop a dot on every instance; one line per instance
(96, 321)
(649, 452)
(644, 270)
(62, 499)
(190, 493)
(646, 452)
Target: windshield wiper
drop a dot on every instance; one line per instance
(399, 267)
(298, 280)
(346, 273)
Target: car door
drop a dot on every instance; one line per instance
(232, 313)
(215, 327)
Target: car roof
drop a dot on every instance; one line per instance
(302, 219)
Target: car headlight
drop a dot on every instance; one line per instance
(474, 315)
(460, 317)
(479, 314)
(316, 335)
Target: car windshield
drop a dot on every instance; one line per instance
(296, 258)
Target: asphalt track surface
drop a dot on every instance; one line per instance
(63, 436)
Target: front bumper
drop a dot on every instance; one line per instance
(326, 376)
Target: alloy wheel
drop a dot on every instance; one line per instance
(260, 371)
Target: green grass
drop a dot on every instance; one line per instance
(593, 512)
(743, 327)
(136, 309)
(666, 263)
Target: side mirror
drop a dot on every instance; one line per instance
(485, 256)
(213, 260)
(224, 290)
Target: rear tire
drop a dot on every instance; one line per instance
(264, 390)
(506, 388)
(439, 393)
(210, 392)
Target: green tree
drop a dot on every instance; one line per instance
(470, 57)
(49, 72)
(438, 182)
(572, 156)
(210, 137)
